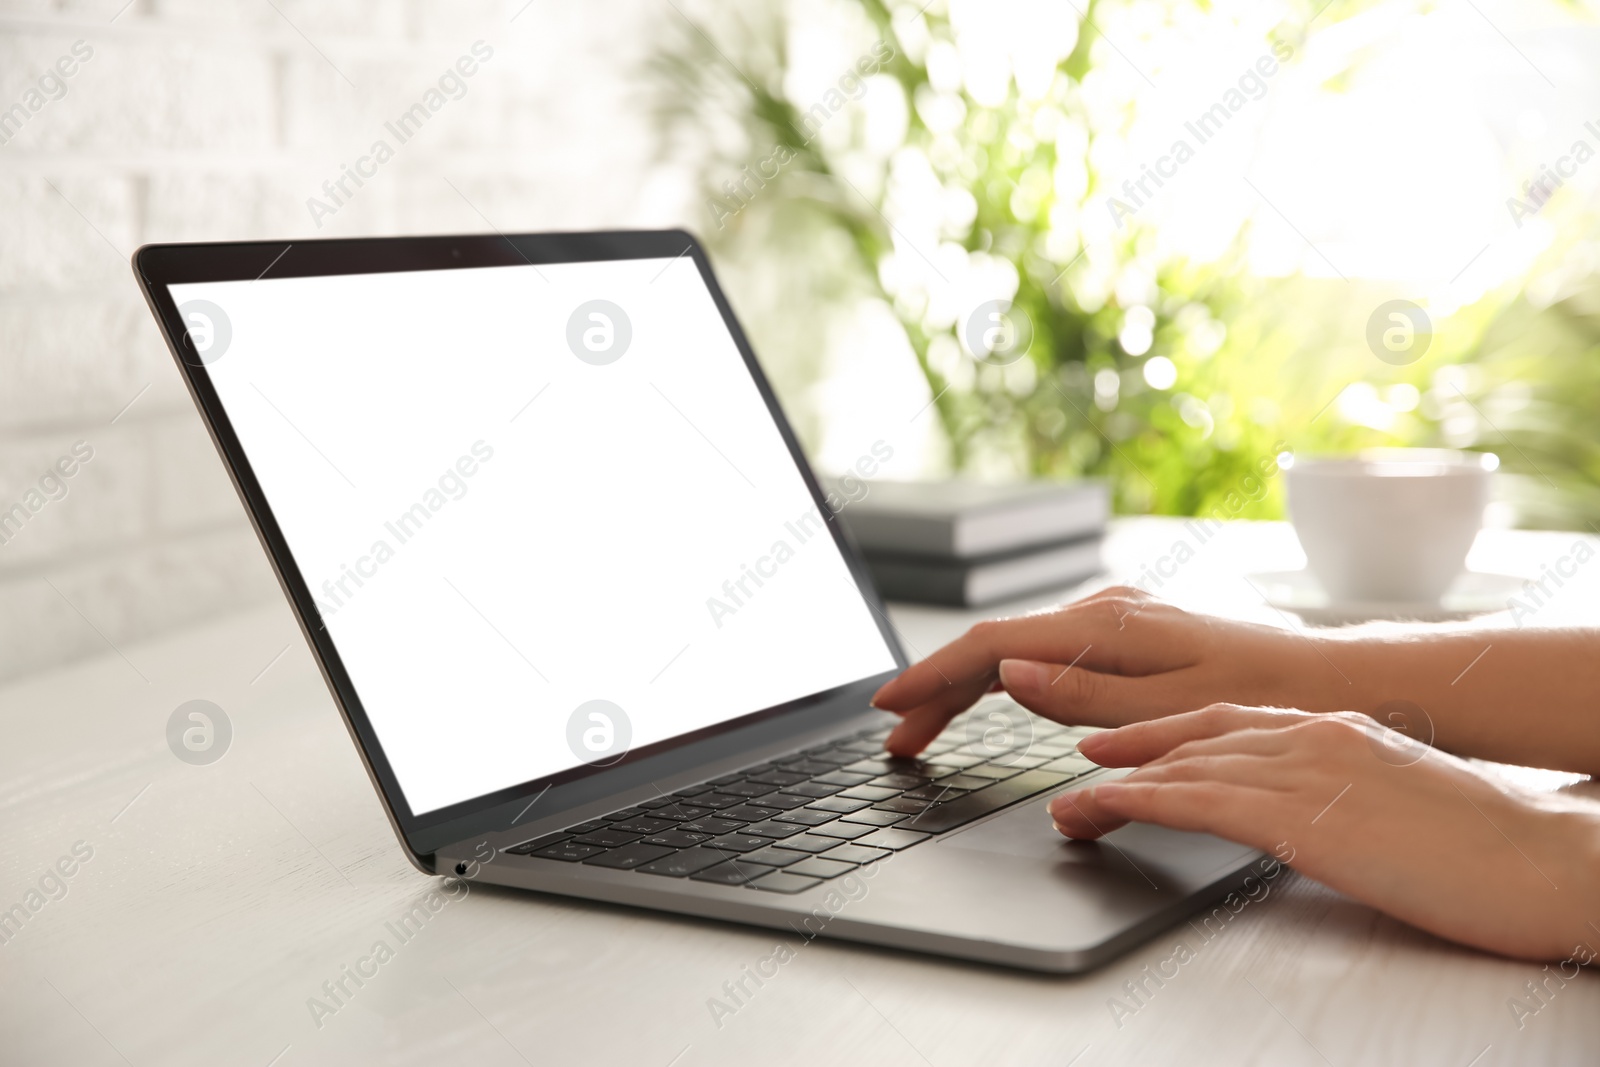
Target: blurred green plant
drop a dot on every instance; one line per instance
(1172, 379)
(1531, 393)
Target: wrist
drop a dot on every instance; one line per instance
(1321, 674)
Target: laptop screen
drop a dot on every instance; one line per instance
(544, 510)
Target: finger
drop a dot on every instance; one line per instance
(1141, 742)
(1071, 694)
(1095, 630)
(921, 725)
(1077, 814)
(1267, 772)
(1238, 813)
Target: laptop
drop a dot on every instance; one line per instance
(592, 622)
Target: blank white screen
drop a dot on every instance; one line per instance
(574, 554)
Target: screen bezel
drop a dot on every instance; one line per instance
(162, 265)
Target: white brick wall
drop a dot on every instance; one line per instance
(215, 120)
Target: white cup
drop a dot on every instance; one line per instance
(1389, 524)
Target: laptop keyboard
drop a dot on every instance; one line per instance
(792, 823)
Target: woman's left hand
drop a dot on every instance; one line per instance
(1414, 832)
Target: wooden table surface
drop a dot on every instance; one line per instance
(215, 902)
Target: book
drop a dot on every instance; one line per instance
(969, 520)
(976, 583)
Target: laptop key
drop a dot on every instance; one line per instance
(607, 838)
(811, 843)
(683, 864)
(622, 813)
(587, 827)
(739, 843)
(841, 829)
(747, 813)
(873, 767)
(746, 789)
(844, 778)
(778, 778)
(628, 856)
(774, 855)
(842, 805)
(807, 817)
(781, 882)
(963, 780)
(655, 802)
(731, 873)
(893, 839)
(709, 826)
(976, 805)
(990, 770)
(718, 800)
(642, 826)
(539, 842)
(904, 806)
(692, 791)
(677, 839)
(679, 812)
(872, 792)
(898, 782)
(773, 828)
(569, 852)
(782, 801)
(1073, 765)
(937, 791)
(808, 766)
(724, 779)
(984, 751)
(955, 761)
(812, 789)
(874, 817)
(856, 854)
(817, 867)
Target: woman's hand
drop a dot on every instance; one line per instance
(1394, 823)
(1116, 657)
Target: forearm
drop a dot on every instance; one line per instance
(1517, 696)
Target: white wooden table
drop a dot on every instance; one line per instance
(218, 899)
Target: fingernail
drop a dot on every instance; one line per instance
(1110, 792)
(1092, 742)
(1022, 675)
(1064, 803)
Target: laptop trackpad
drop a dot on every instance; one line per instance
(1013, 882)
(1024, 830)
(1150, 854)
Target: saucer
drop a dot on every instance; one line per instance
(1473, 593)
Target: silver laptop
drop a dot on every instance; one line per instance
(594, 626)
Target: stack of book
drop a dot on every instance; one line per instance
(969, 544)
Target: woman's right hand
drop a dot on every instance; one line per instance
(1116, 657)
